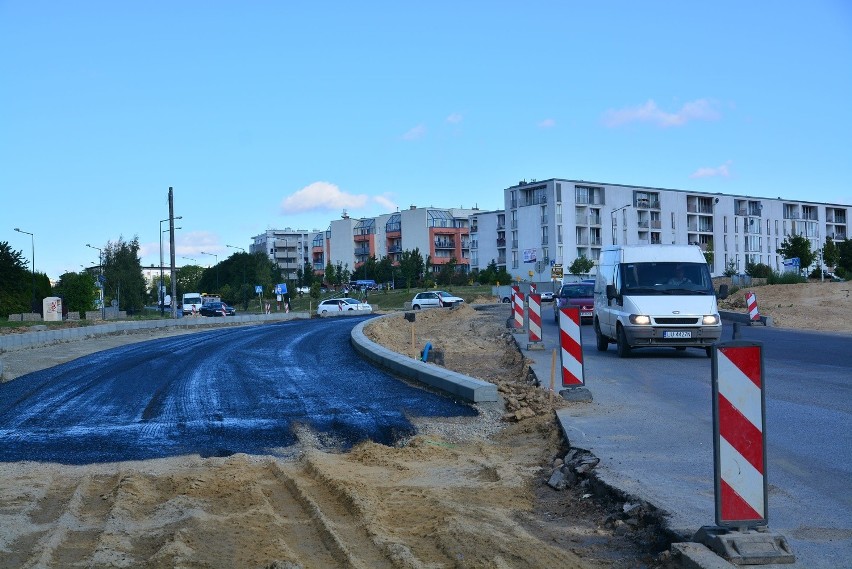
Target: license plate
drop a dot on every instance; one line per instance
(672, 334)
(586, 314)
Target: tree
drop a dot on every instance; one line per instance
(330, 276)
(188, 279)
(411, 266)
(844, 256)
(830, 253)
(123, 274)
(384, 270)
(797, 246)
(446, 273)
(581, 266)
(77, 290)
(709, 254)
(730, 268)
(15, 281)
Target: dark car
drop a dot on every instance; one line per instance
(217, 309)
(580, 295)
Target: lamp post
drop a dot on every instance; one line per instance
(217, 268)
(100, 280)
(32, 243)
(160, 292)
(188, 258)
(612, 216)
(244, 273)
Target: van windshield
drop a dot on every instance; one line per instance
(662, 278)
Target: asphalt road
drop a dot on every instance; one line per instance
(651, 424)
(215, 393)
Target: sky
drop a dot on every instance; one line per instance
(268, 115)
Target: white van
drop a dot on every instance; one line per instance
(191, 303)
(655, 295)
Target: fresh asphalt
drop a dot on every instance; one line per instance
(650, 423)
(213, 393)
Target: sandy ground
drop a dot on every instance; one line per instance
(463, 493)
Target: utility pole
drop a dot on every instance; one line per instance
(172, 251)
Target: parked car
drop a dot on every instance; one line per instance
(434, 298)
(547, 296)
(216, 308)
(341, 305)
(580, 295)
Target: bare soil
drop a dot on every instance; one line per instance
(462, 493)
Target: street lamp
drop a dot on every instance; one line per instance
(100, 280)
(217, 268)
(188, 258)
(245, 302)
(33, 307)
(612, 215)
(160, 292)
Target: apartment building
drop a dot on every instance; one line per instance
(557, 220)
(440, 233)
(287, 248)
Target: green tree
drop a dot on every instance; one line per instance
(384, 270)
(188, 279)
(797, 246)
(77, 290)
(844, 256)
(581, 266)
(15, 281)
(447, 272)
(758, 270)
(411, 266)
(123, 274)
(830, 253)
(730, 268)
(330, 275)
(709, 254)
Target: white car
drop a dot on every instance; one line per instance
(434, 298)
(346, 304)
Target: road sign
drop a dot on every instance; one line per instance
(258, 289)
(556, 272)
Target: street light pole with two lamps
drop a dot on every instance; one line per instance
(100, 279)
(33, 307)
(217, 268)
(161, 292)
(245, 300)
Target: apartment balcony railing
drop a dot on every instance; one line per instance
(514, 224)
(544, 239)
(647, 204)
(741, 211)
(645, 223)
(474, 229)
(501, 226)
(699, 208)
(501, 260)
(319, 267)
(501, 242)
(515, 244)
(582, 220)
(441, 244)
(656, 224)
(513, 204)
(544, 220)
(595, 241)
(394, 248)
(362, 251)
(582, 240)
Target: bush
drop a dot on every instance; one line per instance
(785, 278)
(758, 270)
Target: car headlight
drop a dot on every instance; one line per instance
(710, 320)
(640, 319)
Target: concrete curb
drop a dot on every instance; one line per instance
(456, 384)
(10, 342)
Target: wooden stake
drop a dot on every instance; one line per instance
(552, 374)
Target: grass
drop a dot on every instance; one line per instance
(384, 300)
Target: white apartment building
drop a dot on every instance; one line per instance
(557, 220)
(287, 248)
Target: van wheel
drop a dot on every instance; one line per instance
(621, 343)
(601, 341)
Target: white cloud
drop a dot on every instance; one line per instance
(455, 118)
(415, 133)
(386, 202)
(547, 123)
(723, 171)
(701, 109)
(321, 196)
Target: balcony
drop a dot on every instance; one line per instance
(544, 239)
(656, 224)
(444, 244)
(362, 251)
(501, 242)
(394, 248)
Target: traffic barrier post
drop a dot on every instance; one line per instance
(571, 347)
(751, 304)
(739, 456)
(534, 322)
(518, 304)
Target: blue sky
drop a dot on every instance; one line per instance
(281, 114)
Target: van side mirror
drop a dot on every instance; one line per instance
(610, 292)
(723, 291)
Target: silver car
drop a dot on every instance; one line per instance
(434, 298)
(346, 304)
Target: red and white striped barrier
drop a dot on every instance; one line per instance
(751, 304)
(533, 288)
(571, 347)
(518, 310)
(534, 321)
(739, 438)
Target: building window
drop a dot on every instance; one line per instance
(558, 192)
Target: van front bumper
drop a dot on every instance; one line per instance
(698, 336)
